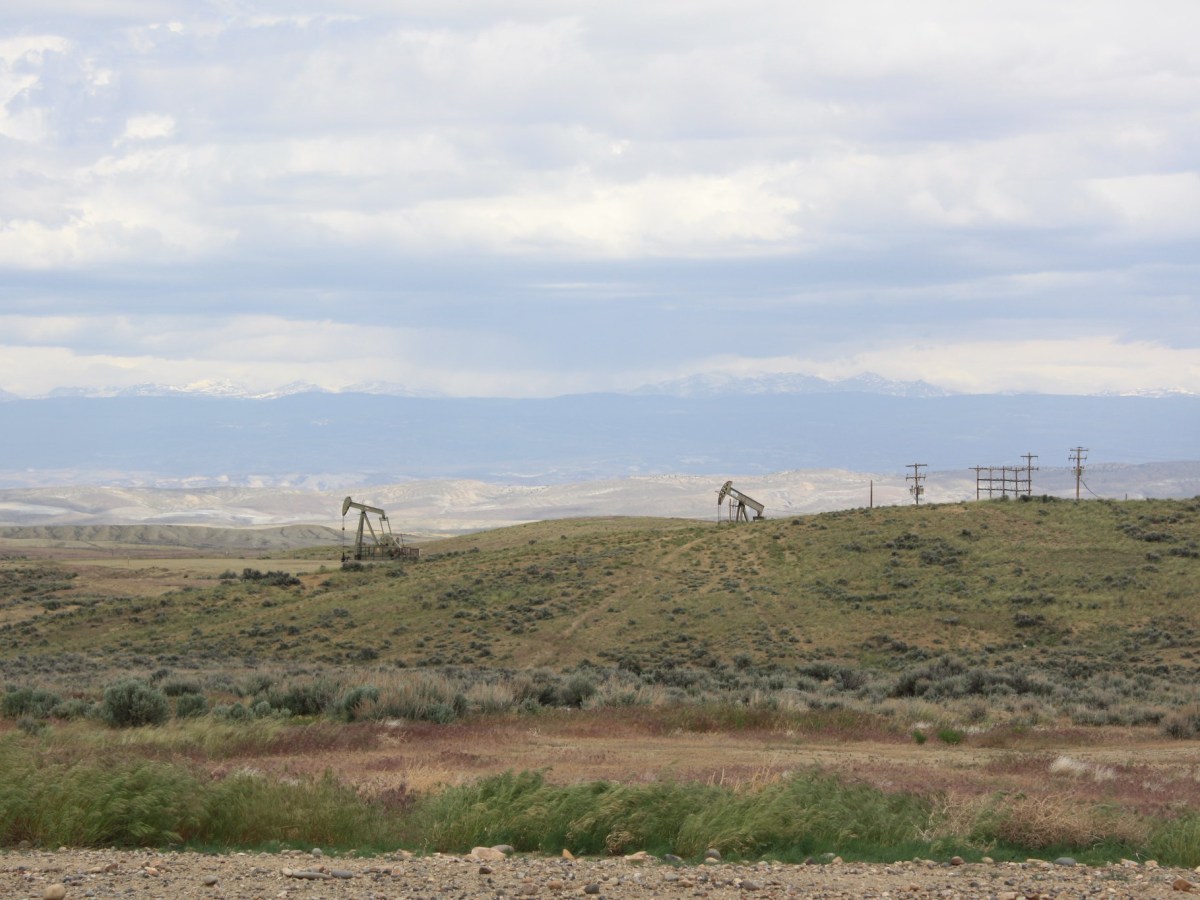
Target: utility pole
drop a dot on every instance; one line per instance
(1030, 468)
(916, 478)
(1078, 455)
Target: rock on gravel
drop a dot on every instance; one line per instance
(121, 875)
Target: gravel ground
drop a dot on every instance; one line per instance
(135, 874)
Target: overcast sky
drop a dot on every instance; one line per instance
(537, 197)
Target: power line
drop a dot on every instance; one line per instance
(1077, 457)
(916, 478)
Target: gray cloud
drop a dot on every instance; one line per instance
(553, 193)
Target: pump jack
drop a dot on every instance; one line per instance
(728, 490)
(383, 542)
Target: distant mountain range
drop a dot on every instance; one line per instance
(723, 385)
(704, 385)
(713, 384)
(318, 440)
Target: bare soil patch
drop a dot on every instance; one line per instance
(1131, 767)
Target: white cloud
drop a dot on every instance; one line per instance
(20, 59)
(937, 163)
(1154, 206)
(148, 127)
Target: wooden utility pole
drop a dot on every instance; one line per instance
(916, 478)
(1030, 468)
(1078, 455)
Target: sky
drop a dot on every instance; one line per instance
(538, 197)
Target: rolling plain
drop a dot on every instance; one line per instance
(1002, 679)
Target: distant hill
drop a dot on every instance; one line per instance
(190, 537)
(330, 441)
(450, 506)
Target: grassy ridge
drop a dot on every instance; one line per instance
(1029, 609)
(1005, 581)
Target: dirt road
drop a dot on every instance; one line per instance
(189, 876)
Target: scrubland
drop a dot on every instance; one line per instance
(1000, 678)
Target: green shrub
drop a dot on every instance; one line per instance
(1183, 723)
(577, 690)
(75, 708)
(350, 706)
(308, 699)
(28, 702)
(131, 703)
(235, 712)
(177, 688)
(191, 706)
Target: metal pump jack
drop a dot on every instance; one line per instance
(728, 490)
(382, 544)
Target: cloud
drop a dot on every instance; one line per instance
(826, 184)
(148, 127)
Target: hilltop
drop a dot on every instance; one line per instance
(1084, 592)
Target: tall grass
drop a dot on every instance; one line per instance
(51, 796)
(52, 799)
(1176, 842)
(802, 815)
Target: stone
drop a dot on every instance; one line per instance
(506, 849)
(1065, 861)
(485, 870)
(487, 854)
(956, 860)
(640, 856)
(307, 874)
(672, 859)
(209, 880)
(55, 891)
(712, 853)
(592, 888)
(749, 885)
(341, 873)
(316, 851)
